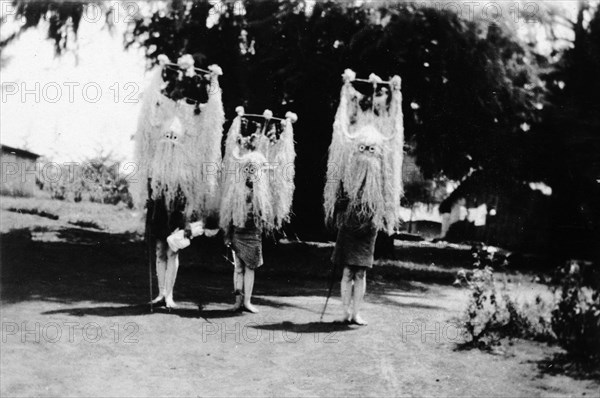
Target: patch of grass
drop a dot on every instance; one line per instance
(112, 218)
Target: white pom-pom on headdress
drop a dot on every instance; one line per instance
(215, 70)
(349, 75)
(239, 110)
(163, 60)
(186, 61)
(291, 116)
(190, 72)
(396, 82)
(373, 78)
(267, 114)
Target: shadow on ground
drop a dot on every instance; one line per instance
(563, 364)
(72, 265)
(311, 327)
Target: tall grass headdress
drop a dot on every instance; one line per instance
(178, 144)
(366, 152)
(258, 163)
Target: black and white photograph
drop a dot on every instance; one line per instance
(300, 198)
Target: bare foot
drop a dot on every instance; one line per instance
(357, 320)
(170, 303)
(250, 308)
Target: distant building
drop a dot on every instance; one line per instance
(18, 171)
(509, 214)
(420, 204)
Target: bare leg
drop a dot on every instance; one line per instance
(346, 293)
(161, 269)
(171, 275)
(248, 286)
(238, 284)
(360, 286)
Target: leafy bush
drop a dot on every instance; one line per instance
(573, 320)
(491, 312)
(482, 311)
(576, 318)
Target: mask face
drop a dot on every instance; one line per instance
(368, 141)
(247, 194)
(174, 132)
(250, 173)
(369, 149)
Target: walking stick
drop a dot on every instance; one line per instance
(148, 237)
(331, 280)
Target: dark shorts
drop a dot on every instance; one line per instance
(247, 244)
(355, 244)
(356, 270)
(165, 221)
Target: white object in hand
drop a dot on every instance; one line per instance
(211, 232)
(177, 240)
(197, 228)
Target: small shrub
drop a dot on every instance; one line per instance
(491, 316)
(96, 180)
(482, 310)
(576, 318)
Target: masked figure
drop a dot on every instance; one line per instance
(258, 186)
(178, 155)
(364, 181)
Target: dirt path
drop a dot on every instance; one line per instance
(408, 349)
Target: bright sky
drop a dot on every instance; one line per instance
(61, 123)
(66, 122)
